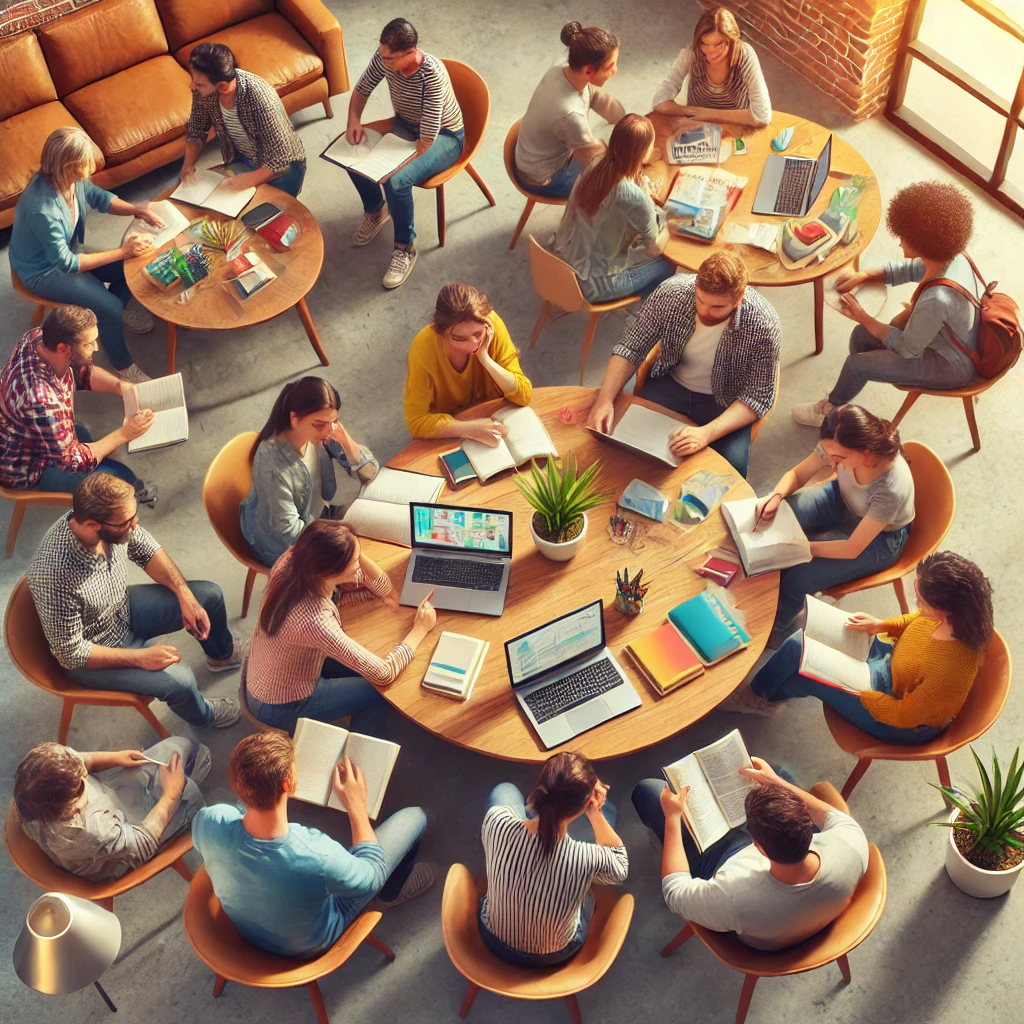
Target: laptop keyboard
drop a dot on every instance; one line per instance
(458, 572)
(793, 186)
(572, 689)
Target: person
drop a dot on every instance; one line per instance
(104, 633)
(426, 110)
(607, 209)
(100, 815)
(789, 872)
(721, 343)
(717, 78)
(289, 889)
(465, 356)
(538, 904)
(555, 140)
(933, 222)
(302, 664)
(257, 141)
(49, 228)
(41, 444)
(293, 459)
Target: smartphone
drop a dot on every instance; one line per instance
(262, 214)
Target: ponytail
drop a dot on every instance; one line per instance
(854, 427)
(561, 791)
(588, 47)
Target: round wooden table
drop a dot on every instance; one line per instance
(539, 590)
(213, 307)
(764, 268)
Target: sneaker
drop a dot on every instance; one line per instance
(145, 492)
(137, 320)
(134, 375)
(234, 660)
(225, 712)
(422, 878)
(370, 227)
(402, 262)
(811, 414)
(745, 702)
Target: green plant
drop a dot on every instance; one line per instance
(560, 495)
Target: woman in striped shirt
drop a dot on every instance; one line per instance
(538, 904)
(301, 663)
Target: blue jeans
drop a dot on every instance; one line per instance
(290, 180)
(153, 611)
(559, 186)
(55, 478)
(638, 278)
(702, 409)
(823, 514)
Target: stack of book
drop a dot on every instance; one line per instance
(455, 666)
(248, 274)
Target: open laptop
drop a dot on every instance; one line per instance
(790, 184)
(463, 554)
(565, 678)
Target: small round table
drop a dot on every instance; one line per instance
(213, 307)
(490, 722)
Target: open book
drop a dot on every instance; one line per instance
(382, 509)
(209, 192)
(777, 546)
(174, 223)
(377, 157)
(700, 199)
(527, 439)
(320, 746)
(644, 430)
(717, 790)
(166, 397)
(833, 654)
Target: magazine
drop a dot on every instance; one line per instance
(700, 199)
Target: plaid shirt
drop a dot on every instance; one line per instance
(37, 417)
(746, 366)
(275, 144)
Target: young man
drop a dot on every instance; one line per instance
(289, 889)
(257, 140)
(426, 110)
(100, 629)
(41, 445)
(719, 365)
(775, 882)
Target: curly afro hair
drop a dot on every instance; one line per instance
(936, 219)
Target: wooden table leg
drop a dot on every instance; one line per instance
(314, 338)
(819, 315)
(172, 346)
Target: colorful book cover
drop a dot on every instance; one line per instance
(665, 658)
(708, 624)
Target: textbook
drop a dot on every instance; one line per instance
(777, 546)
(382, 509)
(710, 626)
(701, 144)
(320, 746)
(833, 654)
(209, 193)
(700, 199)
(455, 665)
(174, 223)
(644, 430)
(717, 790)
(377, 157)
(664, 659)
(527, 439)
(247, 274)
(166, 397)
(457, 468)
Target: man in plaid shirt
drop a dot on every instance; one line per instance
(719, 362)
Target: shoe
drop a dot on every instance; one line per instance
(745, 702)
(225, 712)
(145, 493)
(239, 652)
(134, 375)
(402, 262)
(370, 227)
(422, 878)
(136, 320)
(811, 414)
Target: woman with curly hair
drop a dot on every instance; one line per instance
(933, 223)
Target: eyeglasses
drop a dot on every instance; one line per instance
(127, 524)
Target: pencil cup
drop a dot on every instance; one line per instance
(628, 606)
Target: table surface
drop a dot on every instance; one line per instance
(491, 722)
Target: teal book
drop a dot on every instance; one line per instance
(709, 625)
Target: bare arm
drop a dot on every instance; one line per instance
(585, 154)
(350, 787)
(91, 260)
(687, 440)
(188, 168)
(356, 104)
(673, 853)
(742, 116)
(603, 832)
(172, 779)
(790, 481)
(602, 413)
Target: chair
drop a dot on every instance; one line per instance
(608, 927)
(532, 199)
(558, 286)
(29, 650)
(218, 944)
(934, 507)
(37, 867)
(249, 716)
(984, 704)
(41, 304)
(227, 484)
(830, 945)
(23, 499)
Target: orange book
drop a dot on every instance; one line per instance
(665, 659)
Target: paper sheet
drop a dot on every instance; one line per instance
(760, 235)
(209, 193)
(831, 666)
(376, 758)
(401, 487)
(721, 762)
(318, 748)
(380, 520)
(704, 816)
(827, 625)
(648, 431)
(872, 296)
(166, 397)
(174, 223)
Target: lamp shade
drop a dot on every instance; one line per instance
(65, 944)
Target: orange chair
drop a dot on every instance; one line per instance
(830, 945)
(249, 716)
(218, 944)
(28, 648)
(984, 704)
(41, 304)
(23, 500)
(532, 199)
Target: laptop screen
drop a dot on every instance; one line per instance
(461, 529)
(821, 172)
(547, 647)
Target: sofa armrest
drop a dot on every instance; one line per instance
(321, 30)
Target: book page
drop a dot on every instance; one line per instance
(158, 395)
(376, 758)
(231, 202)
(488, 461)
(648, 431)
(827, 625)
(318, 748)
(169, 427)
(380, 520)
(400, 486)
(527, 439)
(834, 667)
(196, 194)
(721, 762)
(781, 544)
(174, 223)
(343, 153)
(703, 815)
(385, 158)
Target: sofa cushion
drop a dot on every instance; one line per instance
(136, 109)
(101, 40)
(26, 79)
(188, 21)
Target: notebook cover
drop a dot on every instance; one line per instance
(709, 627)
(665, 658)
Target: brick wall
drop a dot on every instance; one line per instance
(845, 48)
(19, 15)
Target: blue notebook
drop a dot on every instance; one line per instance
(708, 624)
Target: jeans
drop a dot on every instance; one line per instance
(702, 409)
(638, 278)
(397, 192)
(290, 180)
(780, 680)
(153, 611)
(87, 290)
(55, 478)
(559, 186)
(824, 516)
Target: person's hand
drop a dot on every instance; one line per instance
(850, 279)
(158, 657)
(688, 440)
(355, 134)
(488, 432)
(188, 175)
(136, 245)
(762, 773)
(597, 798)
(145, 211)
(852, 309)
(484, 351)
(172, 778)
(861, 622)
(602, 416)
(422, 146)
(135, 426)
(673, 804)
(193, 616)
(764, 511)
(390, 600)
(426, 617)
(130, 759)
(349, 785)
(653, 156)
(682, 124)
(234, 182)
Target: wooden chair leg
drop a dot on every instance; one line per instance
(745, 996)
(172, 347)
(147, 713)
(972, 422)
(372, 940)
(65, 721)
(468, 1001)
(901, 595)
(182, 868)
(588, 340)
(440, 216)
(107, 904)
(328, 109)
(686, 933)
(250, 579)
(37, 315)
(574, 1009)
(912, 397)
(530, 204)
(12, 531)
(311, 332)
(819, 316)
(943, 767)
(541, 321)
(218, 986)
(316, 997)
(863, 764)
(480, 184)
(844, 968)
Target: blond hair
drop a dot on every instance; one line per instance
(67, 157)
(722, 20)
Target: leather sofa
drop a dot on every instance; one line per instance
(118, 70)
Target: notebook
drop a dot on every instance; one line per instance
(209, 192)
(777, 546)
(644, 430)
(457, 468)
(664, 659)
(174, 223)
(833, 654)
(166, 397)
(382, 509)
(710, 626)
(455, 665)
(527, 439)
(377, 157)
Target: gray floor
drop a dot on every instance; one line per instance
(937, 955)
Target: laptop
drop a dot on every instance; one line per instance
(790, 184)
(463, 554)
(565, 678)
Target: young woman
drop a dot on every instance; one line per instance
(301, 663)
(49, 226)
(465, 356)
(538, 904)
(717, 78)
(607, 209)
(933, 222)
(292, 468)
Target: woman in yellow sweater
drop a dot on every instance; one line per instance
(465, 356)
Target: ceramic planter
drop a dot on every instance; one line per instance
(559, 552)
(973, 880)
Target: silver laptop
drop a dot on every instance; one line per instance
(463, 554)
(790, 184)
(565, 678)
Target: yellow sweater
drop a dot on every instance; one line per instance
(434, 391)
(930, 678)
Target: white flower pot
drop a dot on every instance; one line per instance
(559, 552)
(973, 880)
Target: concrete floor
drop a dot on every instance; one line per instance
(936, 955)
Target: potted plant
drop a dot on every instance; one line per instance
(985, 854)
(561, 496)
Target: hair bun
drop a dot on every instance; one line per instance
(570, 31)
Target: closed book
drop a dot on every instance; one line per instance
(709, 626)
(455, 665)
(457, 468)
(665, 659)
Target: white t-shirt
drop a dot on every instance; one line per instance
(693, 371)
(311, 460)
(888, 498)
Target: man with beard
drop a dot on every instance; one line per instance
(102, 631)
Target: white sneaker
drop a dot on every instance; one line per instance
(370, 226)
(133, 374)
(137, 320)
(234, 660)
(225, 712)
(422, 878)
(811, 414)
(402, 262)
